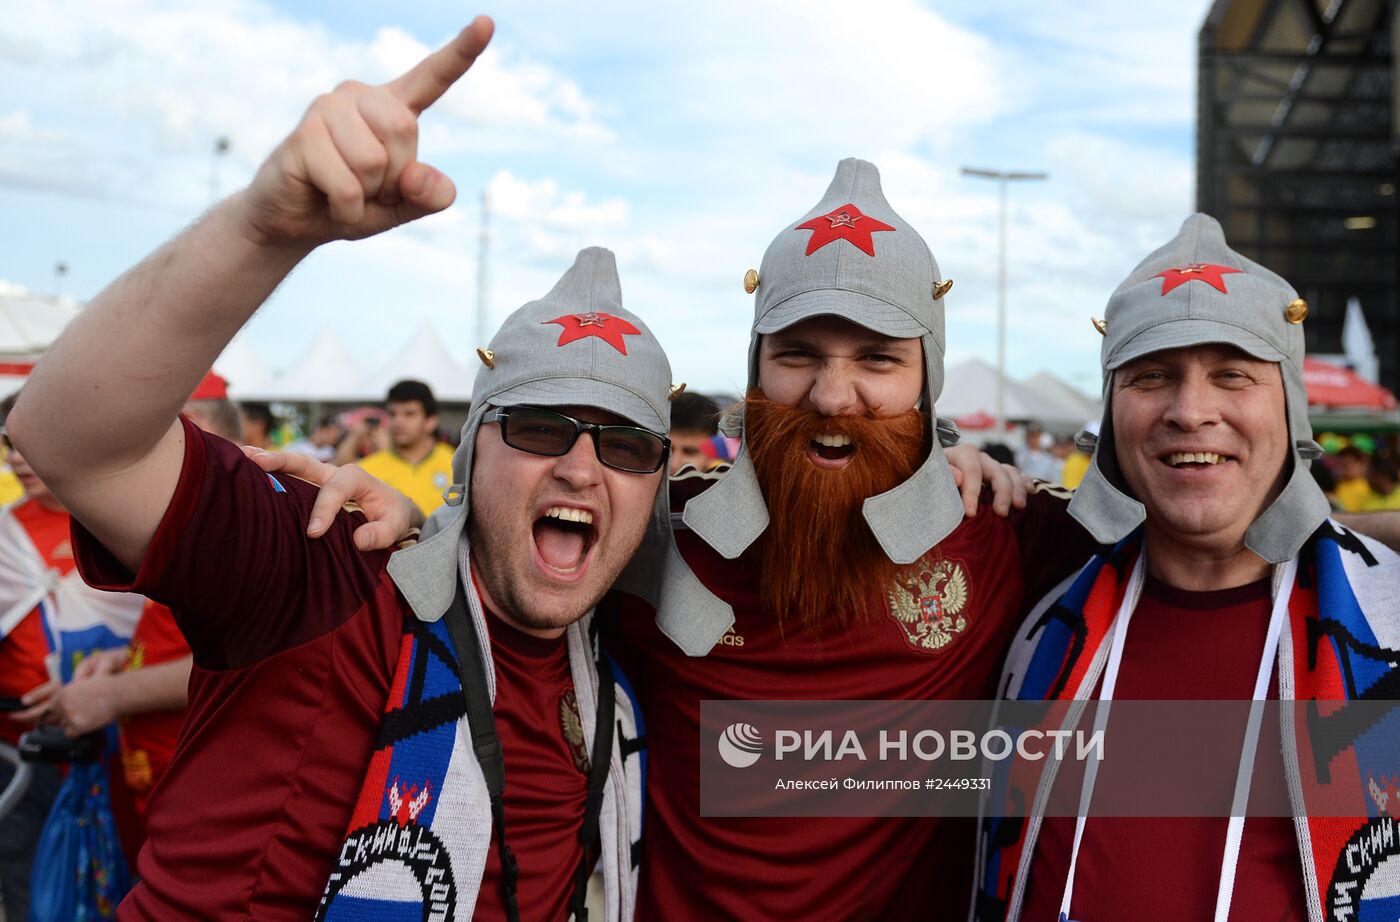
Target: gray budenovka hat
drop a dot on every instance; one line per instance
(1196, 291)
(852, 257)
(576, 346)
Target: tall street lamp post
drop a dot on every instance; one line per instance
(1002, 177)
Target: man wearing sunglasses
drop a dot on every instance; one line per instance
(428, 734)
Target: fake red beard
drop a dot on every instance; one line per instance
(821, 564)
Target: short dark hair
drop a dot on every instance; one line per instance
(408, 391)
(7, 405)
(999, 452)
(258, 411)
(694, 413)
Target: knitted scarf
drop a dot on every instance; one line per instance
(409, 829)
(1342, 643)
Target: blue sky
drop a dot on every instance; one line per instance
(682, 136)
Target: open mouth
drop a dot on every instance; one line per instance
(564, 537)
(831, 447)
(1195, 460)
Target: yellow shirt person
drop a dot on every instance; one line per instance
(10, 489)
(415, 463)
(1076, 466)
(422, 482)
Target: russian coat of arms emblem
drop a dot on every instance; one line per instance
(929, 602)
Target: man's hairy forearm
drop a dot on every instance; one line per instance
(109, 388)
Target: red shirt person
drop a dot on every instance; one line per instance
(1226, 581)
(834, 561)
(323, 767)
(144, 686)
(49, 621)
(306, 696)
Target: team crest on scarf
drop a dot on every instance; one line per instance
(929, 603)
(396, 860)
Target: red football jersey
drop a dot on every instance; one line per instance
(148, 740)
(825, 868)
(1186, 646)
(295, 642)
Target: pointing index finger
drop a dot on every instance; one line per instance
(425, 83)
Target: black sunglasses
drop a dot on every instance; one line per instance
(545, 432)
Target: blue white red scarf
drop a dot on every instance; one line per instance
(409, 831)
(1342, 643)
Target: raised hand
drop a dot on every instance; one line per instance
(391, 516)
(350, 168)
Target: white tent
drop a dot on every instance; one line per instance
(424, 358)
(970, 389)
(324, 374)
(1064, 405)
(244, 370)
(28, 325)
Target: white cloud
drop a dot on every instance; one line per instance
(140, 80)
(542, 204)
(842, 75)
(1121, 178)
(681, 136)
(19, 128)
(1123, 65)
(505, 90)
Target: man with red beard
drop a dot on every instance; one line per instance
(832, 561)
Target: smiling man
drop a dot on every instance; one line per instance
(1236, 585)
(832, 561)
(352, 715)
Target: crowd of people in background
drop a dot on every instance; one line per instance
(1360, 473)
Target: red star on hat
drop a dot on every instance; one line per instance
(844, 223)
(1209, 273)
(606, 327)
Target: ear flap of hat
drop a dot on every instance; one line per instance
(910, 519)
(691, 615)
(1105, 511)
(730, 515)
(923, 510)
(1283, 528)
